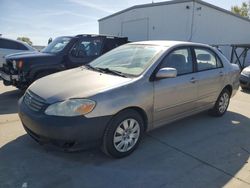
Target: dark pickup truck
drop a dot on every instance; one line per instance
(66, 52)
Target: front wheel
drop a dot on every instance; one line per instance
(221, 104)
(123, 134)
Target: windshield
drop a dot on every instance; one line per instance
(57, 45)
(129, 59)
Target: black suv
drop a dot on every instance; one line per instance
(62, 53)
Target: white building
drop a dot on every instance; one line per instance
(187, 20)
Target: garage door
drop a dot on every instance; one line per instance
(135, 30)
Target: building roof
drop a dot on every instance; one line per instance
(174, 2)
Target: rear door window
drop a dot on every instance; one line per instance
(21, 47)
(12, 45)
(111, 44)
(206, 59)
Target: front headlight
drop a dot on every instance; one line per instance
(17, 64)
(71, 107)
(14, 64)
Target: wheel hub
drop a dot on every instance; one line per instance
(126, 135)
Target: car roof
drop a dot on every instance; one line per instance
(21, 42)
(169, 43)
(100, 35)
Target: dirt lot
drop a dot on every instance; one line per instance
(200, 151)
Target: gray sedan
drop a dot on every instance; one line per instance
(132, 89)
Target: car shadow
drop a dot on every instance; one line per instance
(8, 101)
(245, 91)
(199, 151)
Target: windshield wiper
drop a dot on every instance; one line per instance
(114, 72)
(105, 70)
(89, 67)
(93, 68)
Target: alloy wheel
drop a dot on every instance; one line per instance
(126, 135)
(223, 102)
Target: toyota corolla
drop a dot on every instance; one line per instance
(132, 89)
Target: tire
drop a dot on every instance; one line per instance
(128, 138)
(221, 104)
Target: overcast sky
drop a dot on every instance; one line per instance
(42, 19)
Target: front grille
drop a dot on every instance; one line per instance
(33, 101)
(8, 67)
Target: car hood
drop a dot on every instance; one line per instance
(75, 83)
(28, 55)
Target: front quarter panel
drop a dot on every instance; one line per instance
(138, 93)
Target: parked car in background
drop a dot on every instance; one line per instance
(8, 46)
(245, 78)
(62, 53)
(134, 88)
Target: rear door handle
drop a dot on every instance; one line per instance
(193, 80)
(221, 73)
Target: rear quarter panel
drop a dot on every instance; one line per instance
(232, 74)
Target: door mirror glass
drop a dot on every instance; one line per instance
(166, 73)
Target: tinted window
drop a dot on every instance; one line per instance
(181, 60)
(206, 60)
(8, 44)
(110, 44)
(21, 46)
(86, 48)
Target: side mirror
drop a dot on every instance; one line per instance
(49, 41)
(166, 73)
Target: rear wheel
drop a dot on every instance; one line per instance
(221, 104)
(123, 134)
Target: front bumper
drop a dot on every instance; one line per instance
(244, 81)
(70, 133)
(7, 77)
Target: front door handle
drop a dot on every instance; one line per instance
(193, 80)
